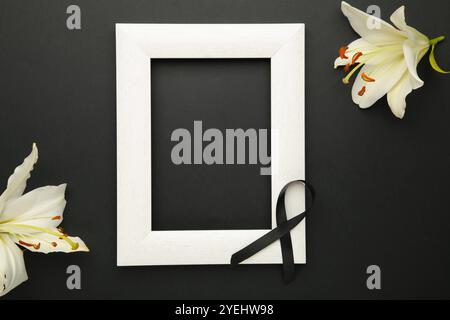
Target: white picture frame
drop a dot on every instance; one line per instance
(136, 45)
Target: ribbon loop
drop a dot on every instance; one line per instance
(281, 232)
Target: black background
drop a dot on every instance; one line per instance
(382, 183)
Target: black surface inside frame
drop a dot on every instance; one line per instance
(223, 94)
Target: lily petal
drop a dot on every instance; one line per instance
(18, 180)
(385, 34)
(413, 55)
(48, 243)
(396, 97)
(386, 54)
(12, 266)
(398, 19)
(41, 207)
(386, 76)
(359, 45)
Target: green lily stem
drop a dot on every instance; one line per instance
(432, 58)
(436, 40)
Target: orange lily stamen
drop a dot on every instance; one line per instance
(362, 91)
(56, 218)
(342, 51)
(366, 78)
(356, 56)
(35, 246)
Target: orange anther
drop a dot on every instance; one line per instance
(342, 51)
(362, 91)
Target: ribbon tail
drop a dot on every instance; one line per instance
(287, 253)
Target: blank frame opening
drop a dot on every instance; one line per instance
(222, 94)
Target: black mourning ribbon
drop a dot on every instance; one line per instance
(281, 232)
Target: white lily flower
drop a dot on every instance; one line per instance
(31, 221)
(387, 58)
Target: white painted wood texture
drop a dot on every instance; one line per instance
(136, 45)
